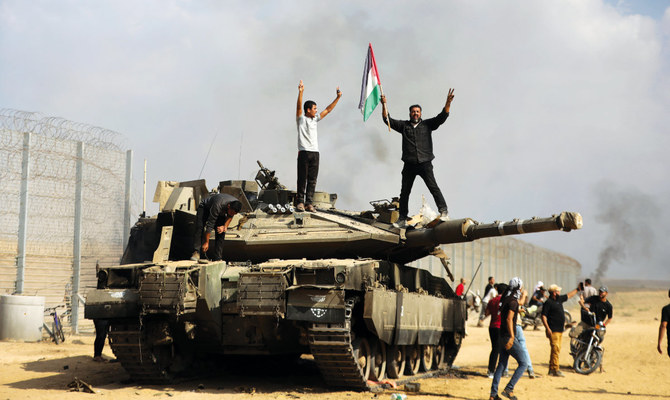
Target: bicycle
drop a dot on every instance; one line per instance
(56, 331)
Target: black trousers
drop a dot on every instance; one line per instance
(494, 334)
(199, 237)
(101, 328)
(425, 171)
(308, 170)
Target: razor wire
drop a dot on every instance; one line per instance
(52, 183)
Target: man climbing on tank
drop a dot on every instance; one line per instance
(417, 154)
(214, 214)
(308, 149)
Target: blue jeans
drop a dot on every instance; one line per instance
(518, 332)
(516, 352)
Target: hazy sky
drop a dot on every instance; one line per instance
(560, 105)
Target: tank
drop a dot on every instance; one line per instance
(335, 284)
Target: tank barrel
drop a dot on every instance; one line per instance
(466, 230)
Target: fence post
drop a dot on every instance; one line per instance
(126, 208)
(23, 216)
(76, 251)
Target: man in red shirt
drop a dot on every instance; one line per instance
(460, 288)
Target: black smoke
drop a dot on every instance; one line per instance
(630, 217)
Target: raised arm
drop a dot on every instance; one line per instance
(298, 111)
(450, 97)
(385, 113)
(331, 105)
(394, 124)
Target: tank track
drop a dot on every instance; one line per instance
(131, 348)
(331, 347)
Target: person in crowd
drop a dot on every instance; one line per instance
(603, 310)
(522, 341)
(509, 346)
(553, 318)
(489, 293)
(539, 295)
(493, 309)
(460, 289)
(664, 327)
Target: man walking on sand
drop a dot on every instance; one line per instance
(417, 153)
(553, 318)
(308, 149)
(664, 327)
(509, 345)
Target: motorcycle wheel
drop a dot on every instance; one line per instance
(584, 366)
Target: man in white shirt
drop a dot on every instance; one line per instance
(308, 148)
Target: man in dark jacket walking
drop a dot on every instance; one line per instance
(417, 153)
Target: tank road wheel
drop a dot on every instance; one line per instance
(362, 355)
(453, 344)
(439, 353)
(427, 356)
(413, 359)
(395, 361)
(378, 361)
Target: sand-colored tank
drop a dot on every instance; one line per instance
(333, 283)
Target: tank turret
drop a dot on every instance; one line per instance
(333, 283)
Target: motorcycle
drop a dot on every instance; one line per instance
(586, 349)
(531, 316)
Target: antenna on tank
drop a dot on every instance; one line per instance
(239, 161)
(206, 157)
(144, 191)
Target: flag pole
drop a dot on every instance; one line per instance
(388, 122)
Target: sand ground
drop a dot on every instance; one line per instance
(633, 368)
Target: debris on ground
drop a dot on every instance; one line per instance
(77, 385)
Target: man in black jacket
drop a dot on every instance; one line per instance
(214, 213)
(417, 153)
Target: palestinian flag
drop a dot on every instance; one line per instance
(370, 86)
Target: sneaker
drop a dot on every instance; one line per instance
(505, 374)
(444, 215)
(401, 223)
(533, 375)
(310, 208)
(556, 373)
(490, 375)
(98, 359)
(195, 256)
(300, 207)
(509, 394)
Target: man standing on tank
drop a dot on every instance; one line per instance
(417, 154)
(214, 213)
(553, 318)
(664, 327)
(308, 149)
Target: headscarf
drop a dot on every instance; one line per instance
(514, 288)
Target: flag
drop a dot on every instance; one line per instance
(370, 86)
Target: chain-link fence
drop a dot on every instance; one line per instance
(64, 200)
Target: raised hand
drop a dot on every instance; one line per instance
(450, 97)
(301, 86)
(339, 93)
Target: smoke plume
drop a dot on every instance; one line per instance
(630, 217)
